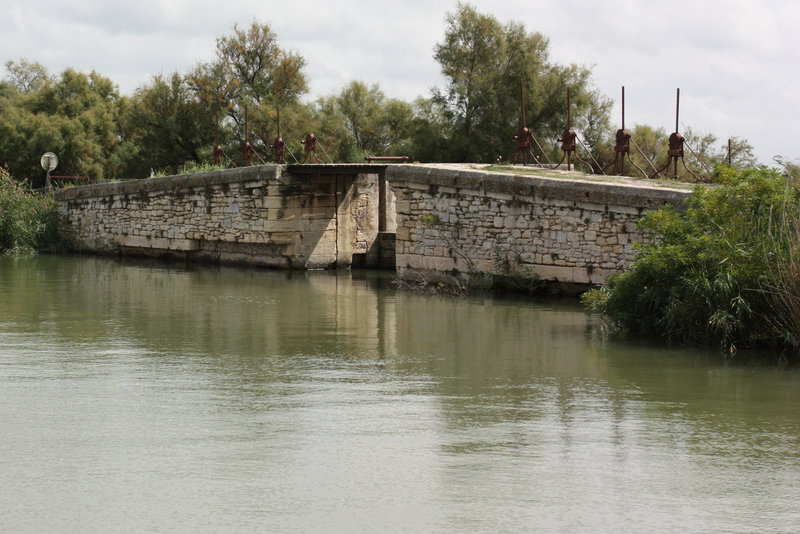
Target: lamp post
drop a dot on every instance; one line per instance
(49, 162)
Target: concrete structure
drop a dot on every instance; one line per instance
(446, 221)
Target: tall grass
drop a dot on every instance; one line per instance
(784, 286)
(28, 221)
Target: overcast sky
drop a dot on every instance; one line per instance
(736, 62)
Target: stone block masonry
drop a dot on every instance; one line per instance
(264, 216)
(439, 220)
(453, 222)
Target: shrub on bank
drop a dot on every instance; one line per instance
(28, 221)
(724, 272)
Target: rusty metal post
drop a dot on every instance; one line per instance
(278, 146)
(622, 147)
(218, 152)
(568, 139)
(627, 147)
(569, 128)
(247, 149)
(676, 142)
(677, 112)
(730, 154)
(523, 135)
(382, 194)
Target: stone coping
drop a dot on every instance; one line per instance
(171, 183)
(436, 175)
(570, 189)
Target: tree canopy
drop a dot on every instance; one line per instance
(483, 62)
(252, 85)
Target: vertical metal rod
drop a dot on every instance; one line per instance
(217, 147)
(246, 140)
(569, 126)
(623, 107)
(279, 122)
(569, 109)
(677, 112)
(522, 99)
(730, 157)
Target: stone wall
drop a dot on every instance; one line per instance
(462, 223)
(439, 220)
(318, 217)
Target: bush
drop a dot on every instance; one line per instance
(724, 271)
(28, 221)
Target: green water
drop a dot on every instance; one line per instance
(164, 398)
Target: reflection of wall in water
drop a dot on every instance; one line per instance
(227, 311)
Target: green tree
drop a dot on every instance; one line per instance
(469, 57)
(483, 62)
(361, 105)
(26, 76)
(362, 121)
(169, 126)
(397, 119)
(251, 79)
(329, 124)
(428, 135)
(74, 116)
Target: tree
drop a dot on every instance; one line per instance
(169, 125)
(397, 119)
(27, 76)
(251, 78)
(329, 124)
(469, 57)
(483, 62)
(362, 121)
(361, 106)
(428, 131)
(75, 116)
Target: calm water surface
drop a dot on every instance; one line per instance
(153, 398)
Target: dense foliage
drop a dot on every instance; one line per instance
(483, 63)
(725, 271)
(28, 221)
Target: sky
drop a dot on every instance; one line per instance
(737, 63)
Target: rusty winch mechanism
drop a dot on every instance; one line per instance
(622, 148)
(568, 140)
(524, 136)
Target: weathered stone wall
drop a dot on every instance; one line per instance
(463, 223)
(449, 221)
(262, 216)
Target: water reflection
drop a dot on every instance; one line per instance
(323, 401)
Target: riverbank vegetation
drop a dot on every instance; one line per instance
(724, 272)
(175, 119)
(28, 221)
